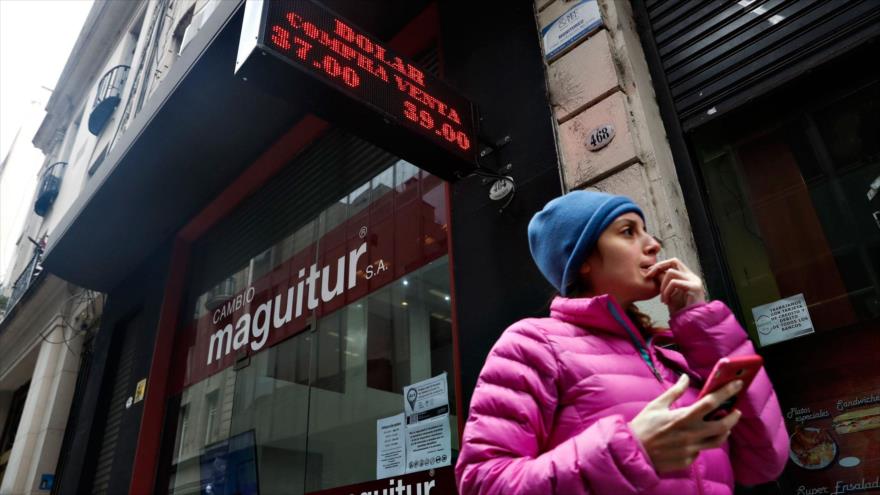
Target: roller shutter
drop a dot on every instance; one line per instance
(716, 55)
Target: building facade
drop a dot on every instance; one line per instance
(285, 261)
(47, 324)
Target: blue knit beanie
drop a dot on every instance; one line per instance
(563, 234)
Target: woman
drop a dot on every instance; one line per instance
(586, 402)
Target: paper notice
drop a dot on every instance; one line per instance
(782, 320)
(426, 399)
(428, 444)
(390, 445)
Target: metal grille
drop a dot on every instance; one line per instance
(122, 387)
(24, 280)
(718, 54)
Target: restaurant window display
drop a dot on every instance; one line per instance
(289, 357)
(794, 190)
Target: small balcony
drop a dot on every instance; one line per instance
(49, 187)
(33, 268)
(107, 98)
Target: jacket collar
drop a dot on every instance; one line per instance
(604, 314)
(594, 313)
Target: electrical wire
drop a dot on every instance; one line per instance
(82, 297)
(482, 171)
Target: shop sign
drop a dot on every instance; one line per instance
(575, 24)
(353, 259)
(337, 54)
(251, 329)
(782, 320)
(432, 482)
(600, 137)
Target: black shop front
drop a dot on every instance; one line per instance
(772, 110)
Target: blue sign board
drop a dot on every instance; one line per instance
(575, 24)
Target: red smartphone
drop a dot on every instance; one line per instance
(726, 370)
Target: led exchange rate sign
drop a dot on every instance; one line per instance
(337, 53)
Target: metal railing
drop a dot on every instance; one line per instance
(49, 187)
(24, 280)
(107, 97)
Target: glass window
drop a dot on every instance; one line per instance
(388, 344)
(293, 358)
(795, 212)
(794, 196)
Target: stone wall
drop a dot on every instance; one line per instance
(604, 79)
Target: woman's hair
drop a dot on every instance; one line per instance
(642, 321)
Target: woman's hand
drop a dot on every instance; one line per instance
(674, 438)
(679, 286)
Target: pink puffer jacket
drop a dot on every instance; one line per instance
(550, 410)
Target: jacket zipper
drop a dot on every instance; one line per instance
(648, 357)
(698, 478)
(643, 351)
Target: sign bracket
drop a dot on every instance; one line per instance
(502, 185)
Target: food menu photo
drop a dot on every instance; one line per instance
(829, 391)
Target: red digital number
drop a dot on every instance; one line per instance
(448, 132)
(303, 47)
(455, 137)
(425, 119)
(350, 77)
(333, 68)
(281, 37)
(463, 141)
(409, 111)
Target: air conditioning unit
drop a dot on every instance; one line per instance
(198, 20)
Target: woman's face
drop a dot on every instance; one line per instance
(622, 257)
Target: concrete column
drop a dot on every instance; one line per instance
(41, 430)
(604, 79)
(419, 335)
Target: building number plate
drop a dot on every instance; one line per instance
(600, 137)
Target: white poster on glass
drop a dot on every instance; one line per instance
(390, 446)
(428, 437)
(428, 444)
(783, 320)
(426, 399)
